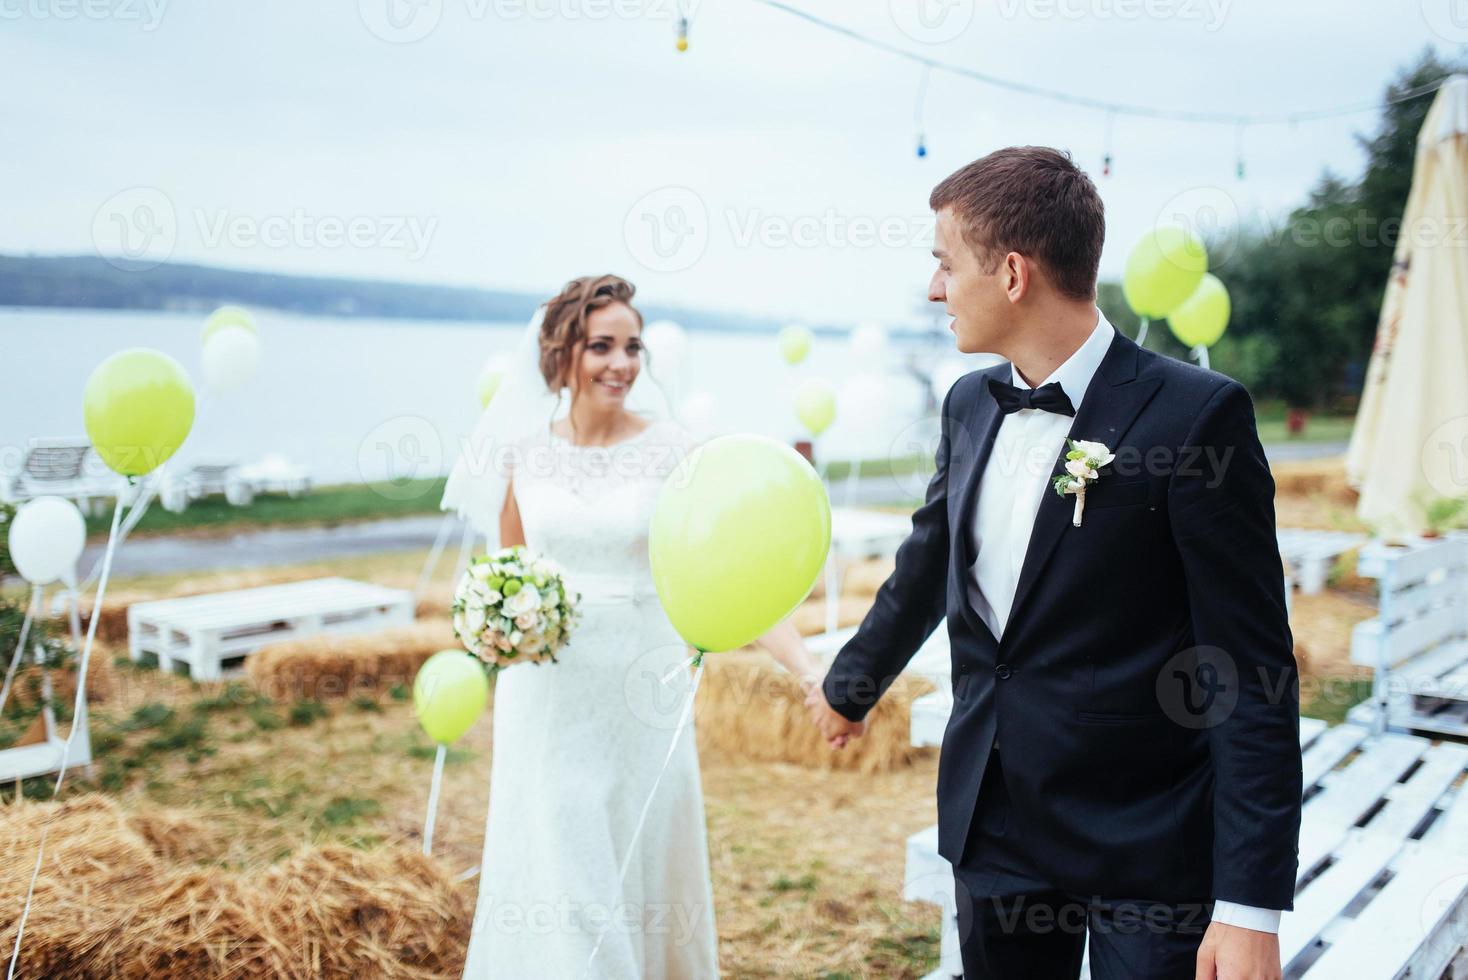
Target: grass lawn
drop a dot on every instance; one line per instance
(325, 506)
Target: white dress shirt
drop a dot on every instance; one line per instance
(1015, 480)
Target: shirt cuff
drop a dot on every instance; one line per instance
(1246, 916)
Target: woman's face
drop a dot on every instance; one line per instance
(611, 357)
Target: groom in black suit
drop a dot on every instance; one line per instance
(1123, 755)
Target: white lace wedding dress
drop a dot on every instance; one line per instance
(578, 745)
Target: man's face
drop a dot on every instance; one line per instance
(975, 298)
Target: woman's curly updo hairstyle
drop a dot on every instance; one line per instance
(564, 327)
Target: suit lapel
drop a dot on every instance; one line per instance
(1111, 404)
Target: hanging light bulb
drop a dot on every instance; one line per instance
(1106, 149)
(682, 42)
(1239, 150)
(1106, 165)
(917, 111)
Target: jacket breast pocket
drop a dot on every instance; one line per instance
(1129, 493)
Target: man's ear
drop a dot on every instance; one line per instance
(1017, 272)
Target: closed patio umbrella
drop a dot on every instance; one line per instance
(1409, 446)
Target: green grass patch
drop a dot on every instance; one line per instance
(306, 712)
(323, 506)
(343, 811)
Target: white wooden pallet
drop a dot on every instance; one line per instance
(1418, 643)
(207, 633)
(1382, 891)
(1310, 554)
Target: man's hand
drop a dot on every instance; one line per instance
(835, 728)
(1235, 953)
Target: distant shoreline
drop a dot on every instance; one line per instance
(91, 282)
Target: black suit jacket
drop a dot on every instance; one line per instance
(1144, 692)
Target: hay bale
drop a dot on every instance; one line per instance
(809, 617)
(324, 911)
(750, 710)
(333, 666)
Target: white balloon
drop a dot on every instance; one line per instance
(698, 413)
(946, 375)
(863, 402)
(666, 342)
(869, 342)
(46, 540)
(231, 355)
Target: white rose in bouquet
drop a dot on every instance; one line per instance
(511, 607)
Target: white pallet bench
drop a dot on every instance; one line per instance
(1418, 643)
(207, 633)
(1383, 886)
(1310, 554)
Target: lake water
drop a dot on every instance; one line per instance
(332, 392)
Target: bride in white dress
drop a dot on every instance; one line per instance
(578, 745)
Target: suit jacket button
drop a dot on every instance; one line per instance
(1003, 671)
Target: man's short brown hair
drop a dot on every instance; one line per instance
(1035, 201)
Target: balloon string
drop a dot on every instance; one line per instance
(433, 798)
(646, 806)
(435, 553)
(1142, 332)
(25, 628)
(78, 724)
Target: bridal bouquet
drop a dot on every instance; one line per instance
(512, 606)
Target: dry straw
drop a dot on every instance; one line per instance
(124, 895)
(332, 666)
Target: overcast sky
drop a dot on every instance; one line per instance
(769, 169)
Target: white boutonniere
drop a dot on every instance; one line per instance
(1081, 464)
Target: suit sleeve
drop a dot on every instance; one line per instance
(908, 607)
(1221, 507)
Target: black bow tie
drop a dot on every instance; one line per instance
(1047, 398)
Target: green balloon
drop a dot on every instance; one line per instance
(795, 343)
(449, 694)
(139, 407)
(1163, 269)
(737, 540)
(227, 316)
(1201, 318)
(815, 405)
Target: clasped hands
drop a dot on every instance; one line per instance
(834, 727)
